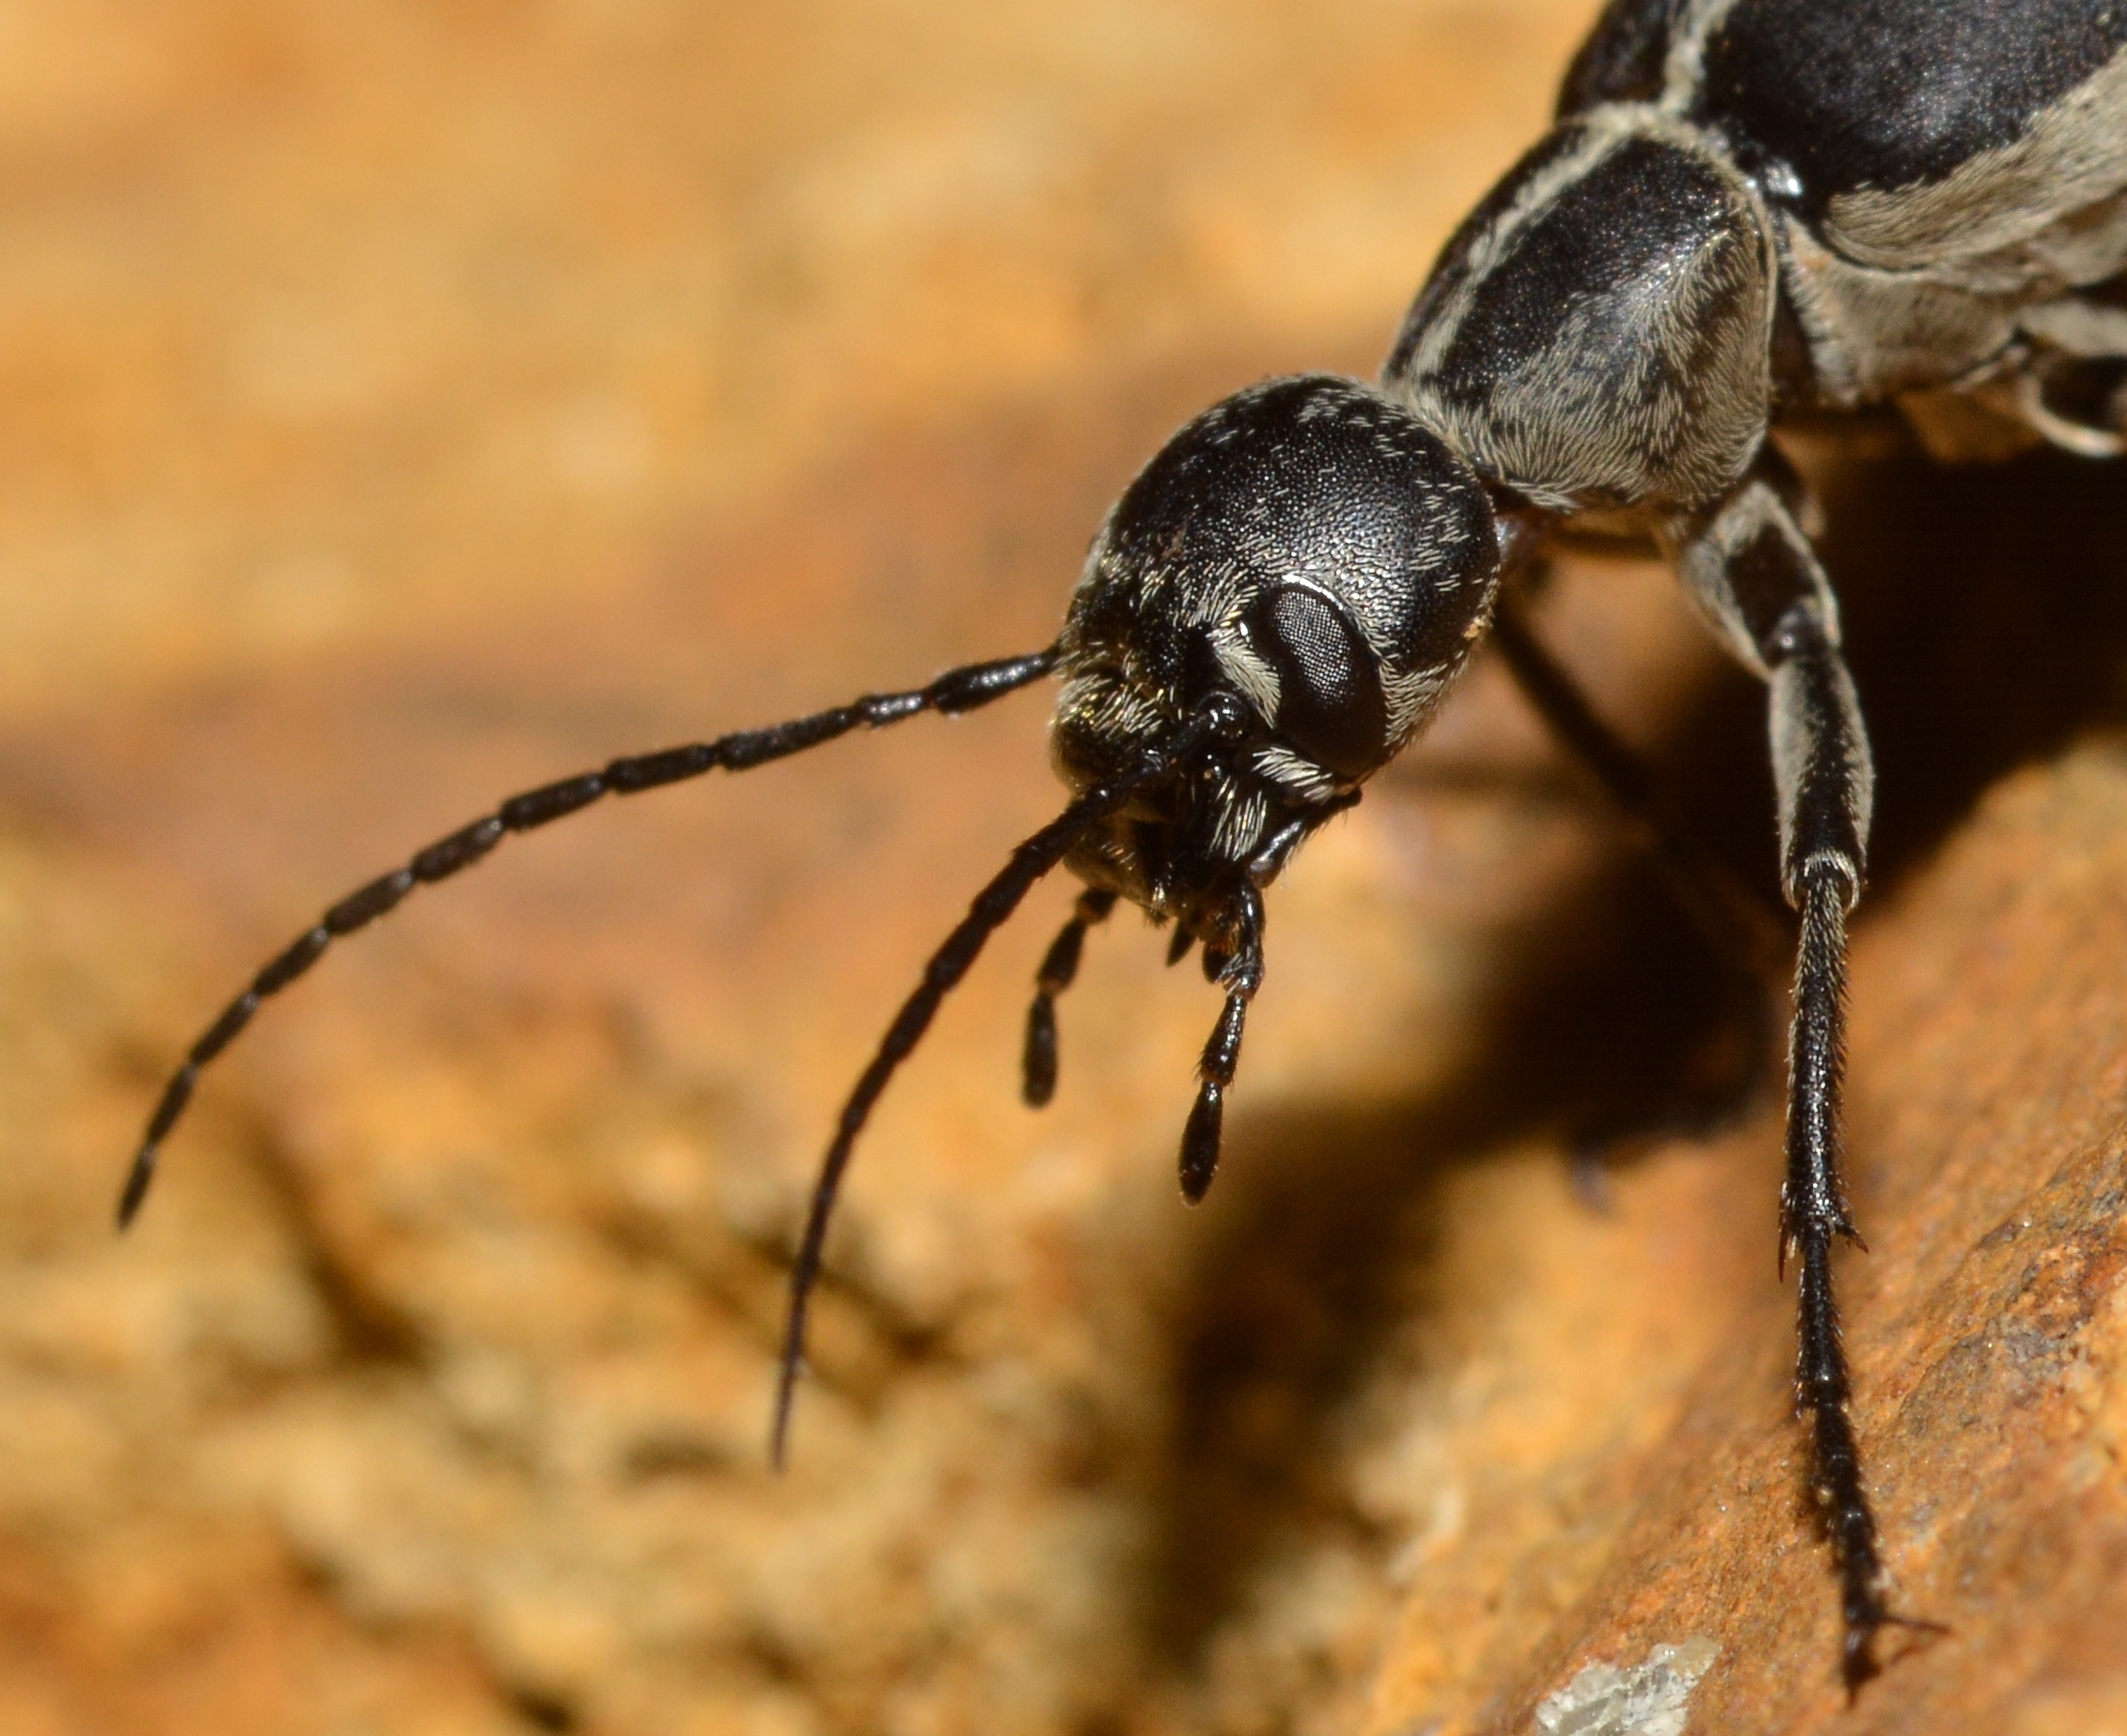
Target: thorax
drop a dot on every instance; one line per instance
(1597, 334)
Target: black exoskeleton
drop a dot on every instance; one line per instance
(1749, 212)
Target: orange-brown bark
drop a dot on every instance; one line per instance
(405, 410)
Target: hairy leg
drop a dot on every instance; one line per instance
(1751, 568)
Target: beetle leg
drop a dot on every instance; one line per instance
(1750, 566)
(2074, 390)
(1744, 931)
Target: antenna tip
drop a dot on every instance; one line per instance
(785, 1402)
(136, 1188)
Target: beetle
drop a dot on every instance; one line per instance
(1747, 215)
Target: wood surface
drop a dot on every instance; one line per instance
(405, 403)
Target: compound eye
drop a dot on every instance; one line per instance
(1329, 702)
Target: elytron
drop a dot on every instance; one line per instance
(1748, 214)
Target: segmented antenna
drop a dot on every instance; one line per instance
(963, 689)
(1219, 718)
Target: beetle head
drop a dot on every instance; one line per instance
(1310, 546)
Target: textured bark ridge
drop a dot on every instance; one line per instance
(403, 417)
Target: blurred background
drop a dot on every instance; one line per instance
(403, 404)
